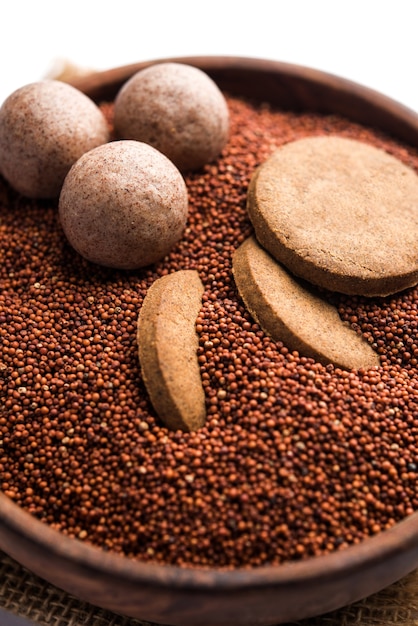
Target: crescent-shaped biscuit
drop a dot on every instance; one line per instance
(167, 349)
(290, 312)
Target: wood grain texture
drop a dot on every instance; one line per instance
(185, 596)
(29, 596)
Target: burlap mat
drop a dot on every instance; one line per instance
(28, 596)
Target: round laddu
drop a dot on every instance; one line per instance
(339, 213)
(176, 108)
(298, 316)
(44, 128)
(123, 205)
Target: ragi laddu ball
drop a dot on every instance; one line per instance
(178, 109)
(123, 205)
(44, 128)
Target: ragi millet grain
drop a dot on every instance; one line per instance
(295, 459)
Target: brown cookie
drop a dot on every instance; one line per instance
(295, 315)
(339, 213)
(167, 348)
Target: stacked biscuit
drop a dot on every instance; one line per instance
(329, 213)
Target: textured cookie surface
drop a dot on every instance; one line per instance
(167, 347)
(339, 213)
(297, 316)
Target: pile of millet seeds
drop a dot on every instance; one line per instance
(295, 459)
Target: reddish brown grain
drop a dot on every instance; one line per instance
(295, 459)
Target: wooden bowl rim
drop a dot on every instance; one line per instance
(388, 544)
(115, 76)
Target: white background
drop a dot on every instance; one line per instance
(373, 42)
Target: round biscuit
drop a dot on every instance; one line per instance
(339, 213)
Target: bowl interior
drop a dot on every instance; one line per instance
(267, 595)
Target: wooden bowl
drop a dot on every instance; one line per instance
(259, 596)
